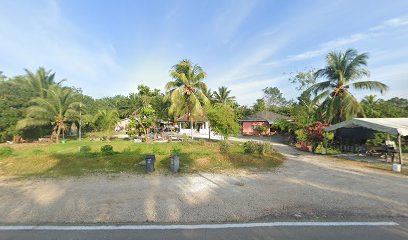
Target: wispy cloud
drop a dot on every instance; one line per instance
(375, 31)
(39, 35)
(229, 19)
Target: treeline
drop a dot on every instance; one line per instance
(37, 104)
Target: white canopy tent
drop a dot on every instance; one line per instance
(394, 126)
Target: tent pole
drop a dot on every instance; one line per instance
(400, 149)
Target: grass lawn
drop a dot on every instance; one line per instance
(52, 160)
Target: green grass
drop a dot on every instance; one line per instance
(53, 160)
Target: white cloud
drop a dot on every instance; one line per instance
(382, 28)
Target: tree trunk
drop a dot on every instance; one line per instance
(108, 135)
(58, 133)
(191, 126)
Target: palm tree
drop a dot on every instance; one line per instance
(39, 82)
(369, 103)
(370, 100)
(56, 108)
(223, 96)
(107, 120)
(187, 90)
(341, 73)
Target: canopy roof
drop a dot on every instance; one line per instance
(263, 116)
(394, 126)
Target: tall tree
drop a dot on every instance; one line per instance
(342, 72)
(222, 120)
(56, 108)
(369, 104)
(187, 90)
(40, 81)
(223, 96)
(259, 105)
(273, 97)
(303, 79)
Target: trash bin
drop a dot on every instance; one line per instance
(150, 159)
(174, 163)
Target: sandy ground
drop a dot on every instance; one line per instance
(305, 187)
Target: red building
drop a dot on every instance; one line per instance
(259, 123)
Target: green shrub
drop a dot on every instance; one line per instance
(224, 146)
(264, 148)
(107, 149)
(250, 147)
(5, 151)
(175, 151)
(185, 139)
(84, 149)
(301, 135)
(261, 128)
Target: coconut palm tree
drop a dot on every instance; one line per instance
(58, 106)
(341, 74)
(39, 81)
(370, 100)
(223, 96)
(187, 90)
(369, 105)
(107, 120)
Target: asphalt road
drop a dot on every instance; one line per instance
(271, 232)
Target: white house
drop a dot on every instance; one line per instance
(200, 125)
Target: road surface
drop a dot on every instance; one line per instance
(286, 231)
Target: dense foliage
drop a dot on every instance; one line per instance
(37, 104)
(222, 120)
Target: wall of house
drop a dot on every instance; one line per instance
(247, 128)
(204, 129)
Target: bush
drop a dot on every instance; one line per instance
(107, 149)
(261, 128)
(175, 151)
(301, 135)
(185, 140)
(84, 149)
(224, 146)
(264, 148)
(250, 147)
(5, 151)
(304, 147)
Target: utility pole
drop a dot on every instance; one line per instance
(80, 121)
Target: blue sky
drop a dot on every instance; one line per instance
(110, 47)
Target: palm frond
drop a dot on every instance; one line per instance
(370, 85)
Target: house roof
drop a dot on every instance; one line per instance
(263, 116)
(196, 118)
(394, 126)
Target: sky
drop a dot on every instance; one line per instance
(110, 47)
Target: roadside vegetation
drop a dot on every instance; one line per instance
(38, 107)
(76, 158)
